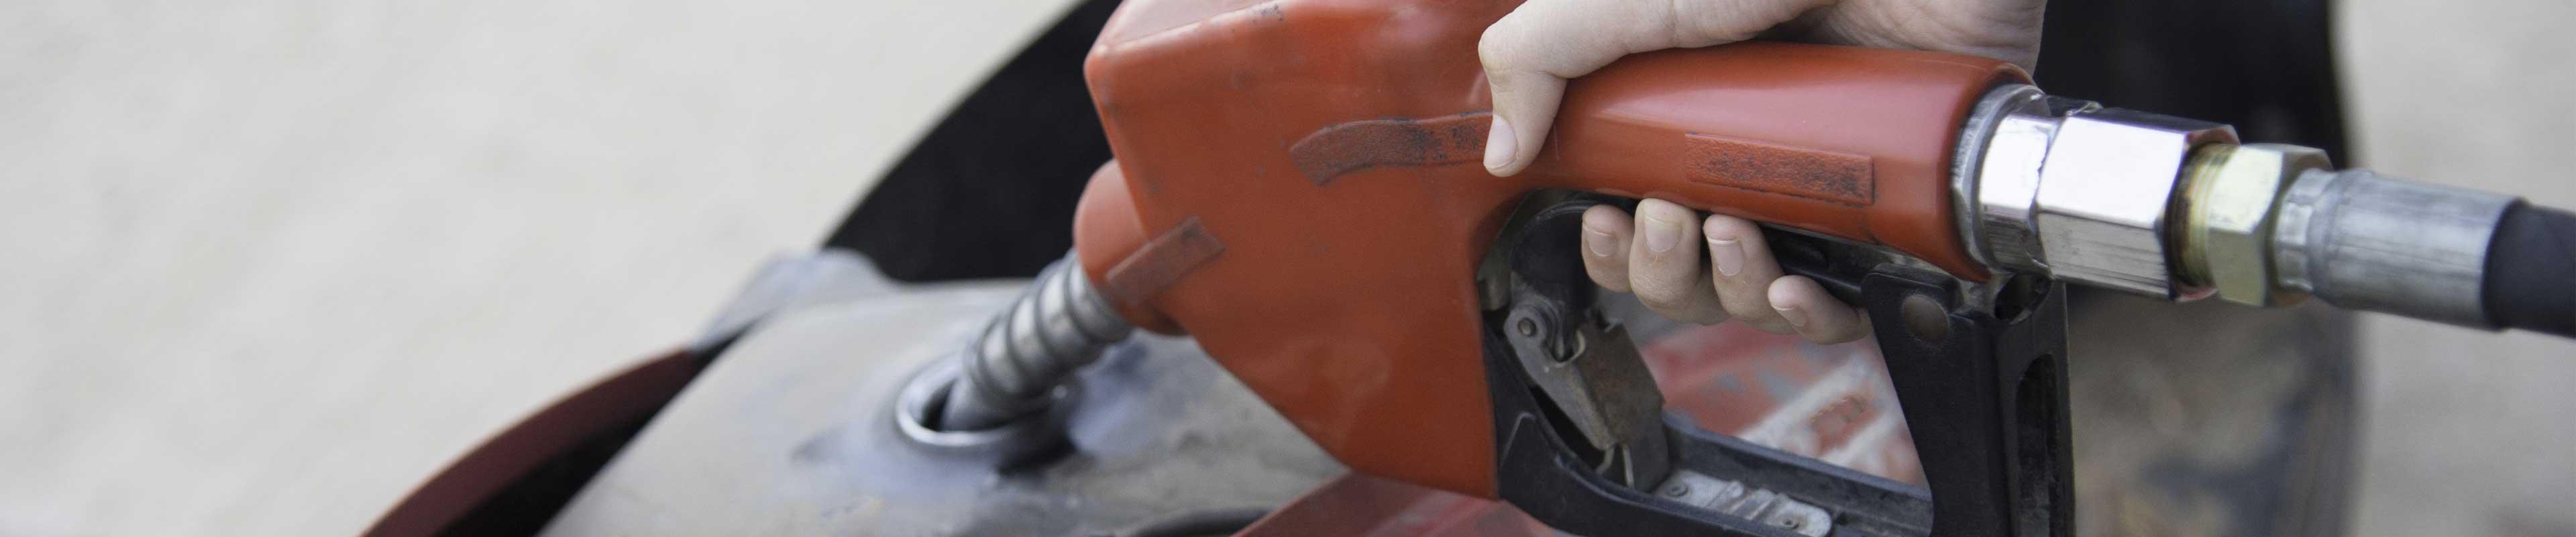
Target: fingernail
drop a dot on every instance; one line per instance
(1596, 241)
(1726, 255)
(1499, 145)
(1661, 233)
(1796, 317)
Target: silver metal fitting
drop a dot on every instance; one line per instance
(2225, 238)
(2175, 209)
(2360, 240)
(2067, 188)
(1995, 182)
(2103, 193)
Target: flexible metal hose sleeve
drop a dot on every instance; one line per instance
(1057, 325)
(2531, 271)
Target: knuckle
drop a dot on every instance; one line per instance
(1706, 314)
(1796, 290)
(1751, 310)
(1650, 291)
(1606, 220)
(1664, 270)
(1773, 325)
(1659, 207)
(1597, 264)
(1743, 283)
(1662, 303)
(1605, 274)
(1497, 49)
(1664, 298)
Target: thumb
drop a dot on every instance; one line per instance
(1524, 108)
(1527, 57)
(1530, 53)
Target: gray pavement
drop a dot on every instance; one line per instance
(271, 262)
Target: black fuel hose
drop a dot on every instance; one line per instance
(2531, 271)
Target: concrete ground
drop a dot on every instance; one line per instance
(271, 263)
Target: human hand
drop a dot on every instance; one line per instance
(1659, 256)
(1529, 54)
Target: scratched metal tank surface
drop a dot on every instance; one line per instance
(792, 432)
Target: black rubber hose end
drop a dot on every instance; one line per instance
(2531, 271)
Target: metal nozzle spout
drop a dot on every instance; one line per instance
(1055, 327)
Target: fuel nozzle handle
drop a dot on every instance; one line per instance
(2178, 209)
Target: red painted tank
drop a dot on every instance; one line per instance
(1298, 185)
